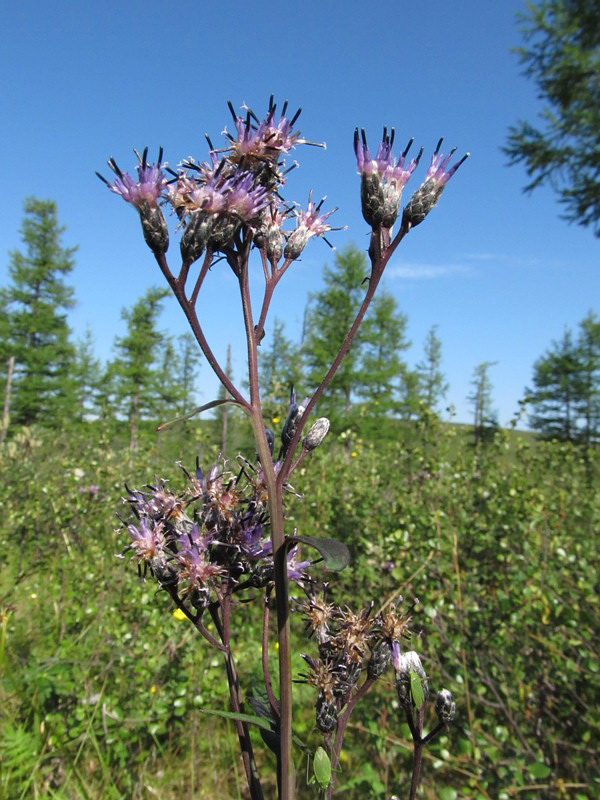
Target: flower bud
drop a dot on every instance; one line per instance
(274, 243)
(290, 425)
(326, 715)
(223, 231)
(404, 664)
(195, 236)
(296, 243)
(154, 228)
(421, 203)
(445, 707)
(379, 661)
(316, 434)
(372, 199)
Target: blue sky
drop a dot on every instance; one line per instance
(499, 272)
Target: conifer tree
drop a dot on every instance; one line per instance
(383, 340)
(556, 388)
(561, 151)
(565, 397)
(178, 373)
(331, 312)
(367, 386)
(588, 347)
(86, 377)
(432, 383)
(136, 369)
(34, 325)
(280, 363)
(484, 417)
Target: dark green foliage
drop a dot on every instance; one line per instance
(372, 380)
(87, 378)
(33, 323)
(330, 314)
(484, 418)
(280, 364)
(102, 689)
(562, 57)
(381, 368)
(432, 383)
(566, 387)
(137, 383)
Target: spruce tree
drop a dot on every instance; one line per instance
(280, 368)
(484, 417)
(178, 374)
(565, 397)
(330, 314)
(34, 325)
(432, 383)
(588, 347)
(561, 150)
(87, 378)
(136, 370)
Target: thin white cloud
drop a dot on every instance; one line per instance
(483, 256)
(422, 272)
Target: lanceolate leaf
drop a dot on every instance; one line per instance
(252, 719)
(335, 554)
(199, 410)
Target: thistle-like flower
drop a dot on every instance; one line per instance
(428, 194)
(308, 223)
(144, 195)
(382, 178)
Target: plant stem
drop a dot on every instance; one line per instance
(235, 695)
(275, 502)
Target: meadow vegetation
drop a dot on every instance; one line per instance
(105, 693)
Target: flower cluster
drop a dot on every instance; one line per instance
(236, 193)
(210, 539)
(350, 645)
(384, 177)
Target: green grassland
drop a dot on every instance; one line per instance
(104, 693)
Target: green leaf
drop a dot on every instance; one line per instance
(213, 404)
(446, 793)
(539, 770)
(322, 768)
(250, 719)
(416, 690)
(335, 554)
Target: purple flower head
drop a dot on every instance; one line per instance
(296, 569)
(437, 171)
(194, 569)
(384, 165)
(148, 188)
(252, 542)
(396, 656)
(382, 178)
(429, 192)
(147, 541)
(266, 139)
(244, 198)
(193, 540)
(308, 223)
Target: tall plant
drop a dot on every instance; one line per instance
(225, 535)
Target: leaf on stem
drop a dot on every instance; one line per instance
(335, 554)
